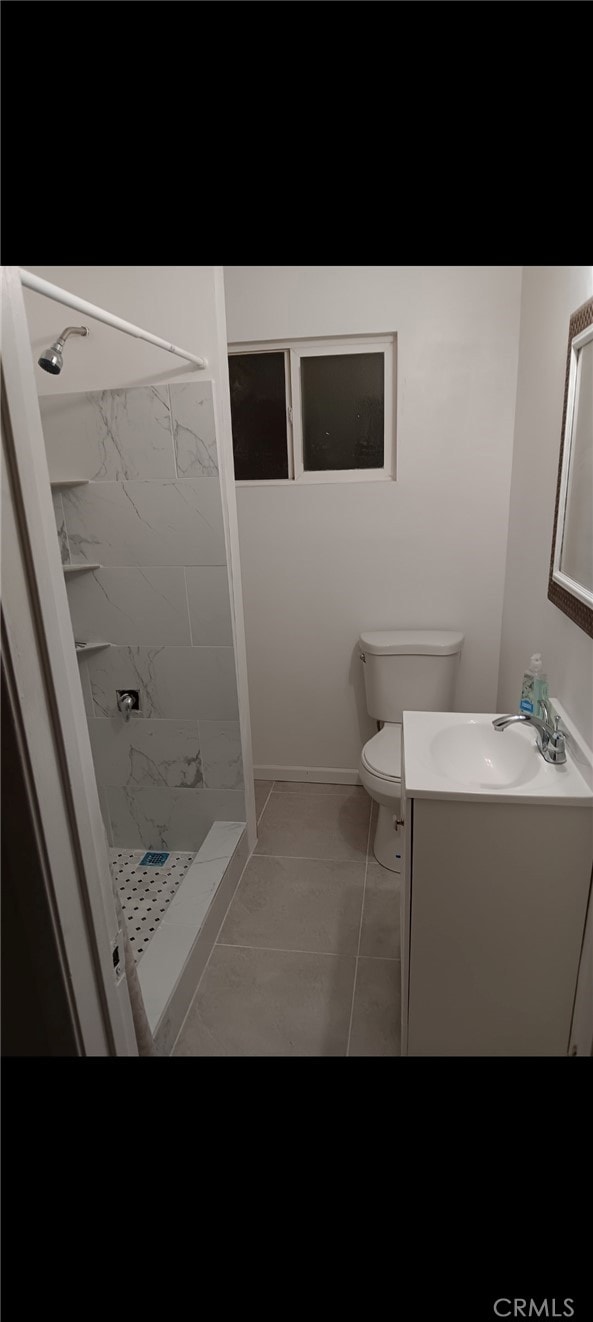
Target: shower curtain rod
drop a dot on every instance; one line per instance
(44, 287)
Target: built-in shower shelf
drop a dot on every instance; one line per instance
(70, 482)
(90, 647)
(79, 569)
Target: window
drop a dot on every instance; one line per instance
(313, 410)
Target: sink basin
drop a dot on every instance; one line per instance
(476, 754)
(459, 755)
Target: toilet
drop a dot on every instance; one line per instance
(404, 670)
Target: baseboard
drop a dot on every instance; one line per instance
(319, 775)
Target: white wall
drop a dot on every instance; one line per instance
(176, 302)
(531, 623)
(180, 303)
(322, 562)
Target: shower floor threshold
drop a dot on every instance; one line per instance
(171, 964)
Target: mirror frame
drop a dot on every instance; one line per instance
(566, 601)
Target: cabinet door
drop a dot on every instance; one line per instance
(498, 903)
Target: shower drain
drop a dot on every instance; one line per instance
(146, 892)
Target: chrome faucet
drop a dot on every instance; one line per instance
(550, 738)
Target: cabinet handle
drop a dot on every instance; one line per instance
(398, 821)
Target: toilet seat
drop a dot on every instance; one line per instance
(380, 772)
(382, 755)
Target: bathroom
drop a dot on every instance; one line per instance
(226, 580)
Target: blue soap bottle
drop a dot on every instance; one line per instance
(540, 691)
(528, 700)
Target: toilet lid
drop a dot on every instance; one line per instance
(383, 753)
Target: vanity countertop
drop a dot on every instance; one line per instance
(458, 755)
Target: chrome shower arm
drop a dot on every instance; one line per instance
(71, 330)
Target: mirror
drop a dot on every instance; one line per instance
(570, 584)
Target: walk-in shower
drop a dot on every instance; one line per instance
(138, 499)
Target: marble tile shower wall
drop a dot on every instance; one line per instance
(151, 517)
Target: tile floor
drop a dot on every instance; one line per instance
(307, 960)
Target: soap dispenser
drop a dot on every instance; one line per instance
(540, 692)
(530, 688)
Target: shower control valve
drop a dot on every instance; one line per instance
(128, 700)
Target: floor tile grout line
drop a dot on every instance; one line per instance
(296, 950)
(369, 835)
(366, 868)
(214, 943)
(325, 794)
(311, 858)
(265, 805)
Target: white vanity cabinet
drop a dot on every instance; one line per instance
(494, 902)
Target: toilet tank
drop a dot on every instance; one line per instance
(409, 670)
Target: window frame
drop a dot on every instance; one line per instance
(296, 349)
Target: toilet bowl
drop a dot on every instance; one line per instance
(404, 670)
(380, 772)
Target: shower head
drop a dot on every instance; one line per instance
(52, 360)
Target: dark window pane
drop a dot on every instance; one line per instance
(258, 413)
(343, 413)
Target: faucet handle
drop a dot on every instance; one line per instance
(557, 743)
(557, 733)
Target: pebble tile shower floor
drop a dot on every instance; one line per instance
(146, 892)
